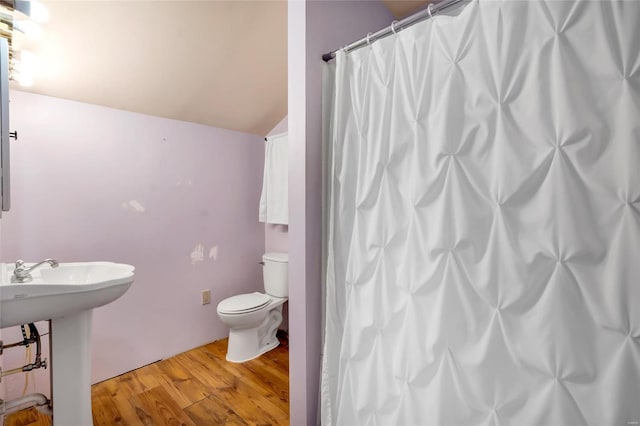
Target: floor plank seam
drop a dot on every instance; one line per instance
(195, 388)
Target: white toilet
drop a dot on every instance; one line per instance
(253, 318)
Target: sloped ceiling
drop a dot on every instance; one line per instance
(219, 63)
(402, 8)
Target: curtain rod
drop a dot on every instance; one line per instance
(396, 26)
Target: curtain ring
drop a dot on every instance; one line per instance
(368, 39)
(429, 10)
(393, 26)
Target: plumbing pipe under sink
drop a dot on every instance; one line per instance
(38, 400)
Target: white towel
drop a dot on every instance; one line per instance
(274, 201)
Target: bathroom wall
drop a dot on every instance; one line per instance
(177, 200)
(276, 237)
(314, 28)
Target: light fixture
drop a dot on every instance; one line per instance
(31, 8)
(39, 12)
(24, 66)
(22, 16)
(29, 28)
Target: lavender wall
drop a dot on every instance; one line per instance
(179, 201)
(315, 27)
(276, 237)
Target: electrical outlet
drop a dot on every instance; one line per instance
(206, 297)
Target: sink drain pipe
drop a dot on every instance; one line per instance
(38, 400)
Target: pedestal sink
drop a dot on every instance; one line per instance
(65, 295)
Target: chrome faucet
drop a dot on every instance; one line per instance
(22, 274)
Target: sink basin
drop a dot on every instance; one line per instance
(61, 291)
(66, 295)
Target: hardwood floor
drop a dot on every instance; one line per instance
(198, 387)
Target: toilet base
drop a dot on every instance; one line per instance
(249, 343)
(240, 356)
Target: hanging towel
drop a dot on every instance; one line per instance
(274, 201)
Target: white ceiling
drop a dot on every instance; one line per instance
(219, 63)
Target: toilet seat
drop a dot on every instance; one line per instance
(243, 303)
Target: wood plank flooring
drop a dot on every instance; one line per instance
(195, 388)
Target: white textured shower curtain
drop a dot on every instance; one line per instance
(484, 221)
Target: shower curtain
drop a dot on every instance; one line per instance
(483, 246)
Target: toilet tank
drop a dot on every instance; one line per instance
(275, 274)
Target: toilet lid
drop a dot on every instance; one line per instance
(243, 303)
